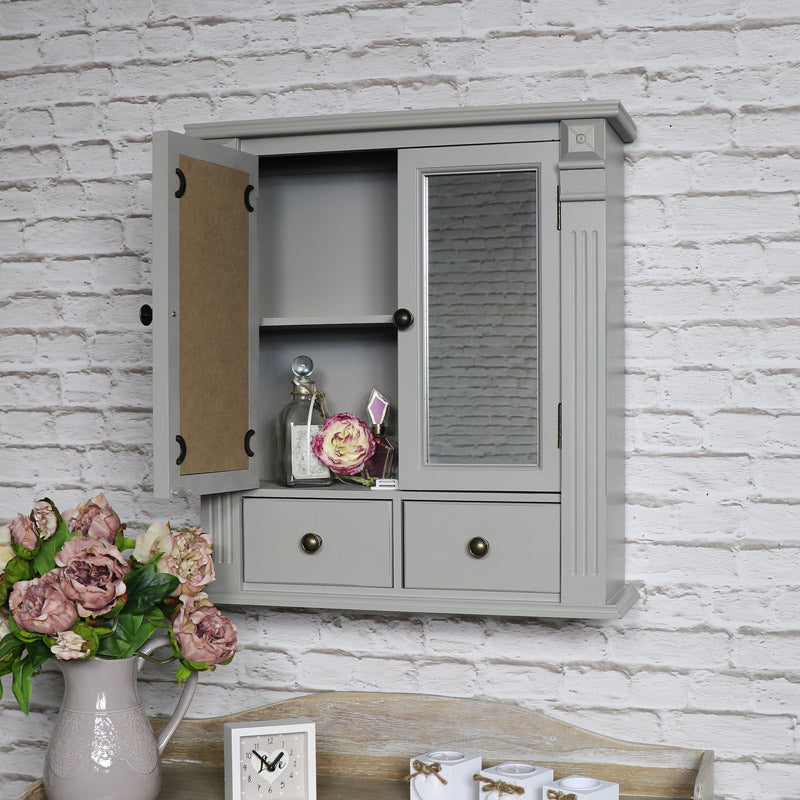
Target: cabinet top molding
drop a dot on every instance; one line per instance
(610, 110)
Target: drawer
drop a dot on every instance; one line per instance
(355, 536)
(523, 546)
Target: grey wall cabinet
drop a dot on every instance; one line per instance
(500, 231)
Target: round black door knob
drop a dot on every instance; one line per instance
(311, 542)
(403, 319)
(478, 547)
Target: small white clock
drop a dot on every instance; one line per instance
(271, 760)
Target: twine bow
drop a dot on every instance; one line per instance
(425, 769)
(501, 787)
(557, 794)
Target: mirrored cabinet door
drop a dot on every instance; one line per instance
(478, 270)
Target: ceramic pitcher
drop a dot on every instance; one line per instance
(102, 746)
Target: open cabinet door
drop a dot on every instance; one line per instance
(205, 317)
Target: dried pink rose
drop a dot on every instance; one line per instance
(23, 532)
(44, 517)
(92, 574)
(70, 646)
(203, 632)
(343, 444)
(94, 518)
(40, 605)
(189, 558)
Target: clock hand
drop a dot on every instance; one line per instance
(264, 761)
(271, 767)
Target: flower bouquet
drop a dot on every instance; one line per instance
(75, 586)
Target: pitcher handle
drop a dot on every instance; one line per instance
(189, 686)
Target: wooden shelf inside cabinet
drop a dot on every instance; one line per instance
(366, 321)
(365, 741)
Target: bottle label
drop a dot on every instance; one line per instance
(304, 463)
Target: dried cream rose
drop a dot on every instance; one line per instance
(5, 628)
(189, 558)
(70, 646)
(45, 519)
(6, 550)
(156, 539)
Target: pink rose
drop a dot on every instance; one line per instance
(92, 574)
(188, 556)
(343, 444)
(45, 519)
(23, 532)
(203, 632)
(94, 518)
(40, 605)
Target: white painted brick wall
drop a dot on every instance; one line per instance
(709, 657)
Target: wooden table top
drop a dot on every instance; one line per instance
(365, 741)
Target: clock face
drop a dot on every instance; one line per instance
(273, 761)
(273, 766)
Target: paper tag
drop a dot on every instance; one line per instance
(304, 463)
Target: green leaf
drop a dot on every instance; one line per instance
(183, 672)
(19, 569)
(23, 669)
(148, 588)
(21, 684)
(90, 636)
(196, 666)
(131, 632)
(11, 648)
(122, 542)
(38, 653)
(46, 557)
(29, 636)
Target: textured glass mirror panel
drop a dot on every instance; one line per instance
(481, 366)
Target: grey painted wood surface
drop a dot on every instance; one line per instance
(168, 147)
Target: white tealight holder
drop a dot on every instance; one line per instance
(455, 768)
(581, 787)
(528, 777)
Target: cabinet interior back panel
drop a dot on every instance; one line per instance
(214, 228)
(328, 232)
(347, 364)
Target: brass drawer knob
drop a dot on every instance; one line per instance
(311, 542)
(478, 547)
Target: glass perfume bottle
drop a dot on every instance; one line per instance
(299, 421)
(383, 462)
